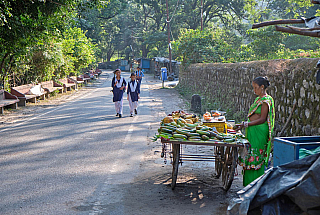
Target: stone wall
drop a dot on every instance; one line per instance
(228, 87)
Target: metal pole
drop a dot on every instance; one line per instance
(169, 43)
(201, 15)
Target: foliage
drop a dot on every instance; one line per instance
(220, 45)
(225, 12)
(101, 26)
(39, 63)
(195, 46)
(265, 42)
(138, 28)
(41, 40)
(54, 58)
(29, 32)
(78, 49)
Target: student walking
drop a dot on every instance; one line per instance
(139, 75)
(119, 86)
(133, 94)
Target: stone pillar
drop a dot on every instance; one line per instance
(196, 103)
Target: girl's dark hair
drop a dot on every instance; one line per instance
(133, 74)
(115, 71)
(262, 81)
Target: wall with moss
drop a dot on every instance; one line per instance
(228, 87)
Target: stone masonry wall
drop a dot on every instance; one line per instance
(228, 87)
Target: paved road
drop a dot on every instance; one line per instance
(72, 158)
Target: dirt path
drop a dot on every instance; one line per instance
(197, 191)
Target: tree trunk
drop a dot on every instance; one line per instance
(144, 51)
(10, 68)
(2, 67)
(109, 55)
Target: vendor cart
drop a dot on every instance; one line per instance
(225, 156)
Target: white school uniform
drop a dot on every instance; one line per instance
(132, 105)
(119, 106)
(134, 90)
(118, 94)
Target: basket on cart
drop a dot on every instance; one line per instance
(220, 125)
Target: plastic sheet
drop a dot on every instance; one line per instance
(305, 152)
(312, 22)
(292, 188)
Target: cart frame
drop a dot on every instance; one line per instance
(225, 156)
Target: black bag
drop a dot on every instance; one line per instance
(318, 77)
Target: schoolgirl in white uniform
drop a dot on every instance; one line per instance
(118, 85)
(133, 94)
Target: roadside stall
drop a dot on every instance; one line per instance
(180, 129)
(160, 62)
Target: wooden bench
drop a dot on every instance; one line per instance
(92, 74)
(98, 71)
(67, 84)
(85, 78)
(50, 87)
(79, 81)
(7, 99)
(24, 93)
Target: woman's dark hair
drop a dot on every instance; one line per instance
(262, 81)
(133, 74)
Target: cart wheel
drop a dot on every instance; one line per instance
(229, 166)
(219, 154)
(175, 164)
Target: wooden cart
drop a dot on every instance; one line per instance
(225, 156)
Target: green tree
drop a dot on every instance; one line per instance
(100, 25)
(78, 49)
(226, 12)
(265, 42)
(195, 46)
(25, 23)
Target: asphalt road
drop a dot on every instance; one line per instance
(73, 159)
(78, 158)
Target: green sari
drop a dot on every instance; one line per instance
(259, 137)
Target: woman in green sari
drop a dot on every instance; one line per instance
(259, 129)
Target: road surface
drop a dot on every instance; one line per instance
(78, 158)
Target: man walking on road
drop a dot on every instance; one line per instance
(139, 75)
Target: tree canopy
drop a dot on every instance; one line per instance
(42, 39)
(31, 34)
